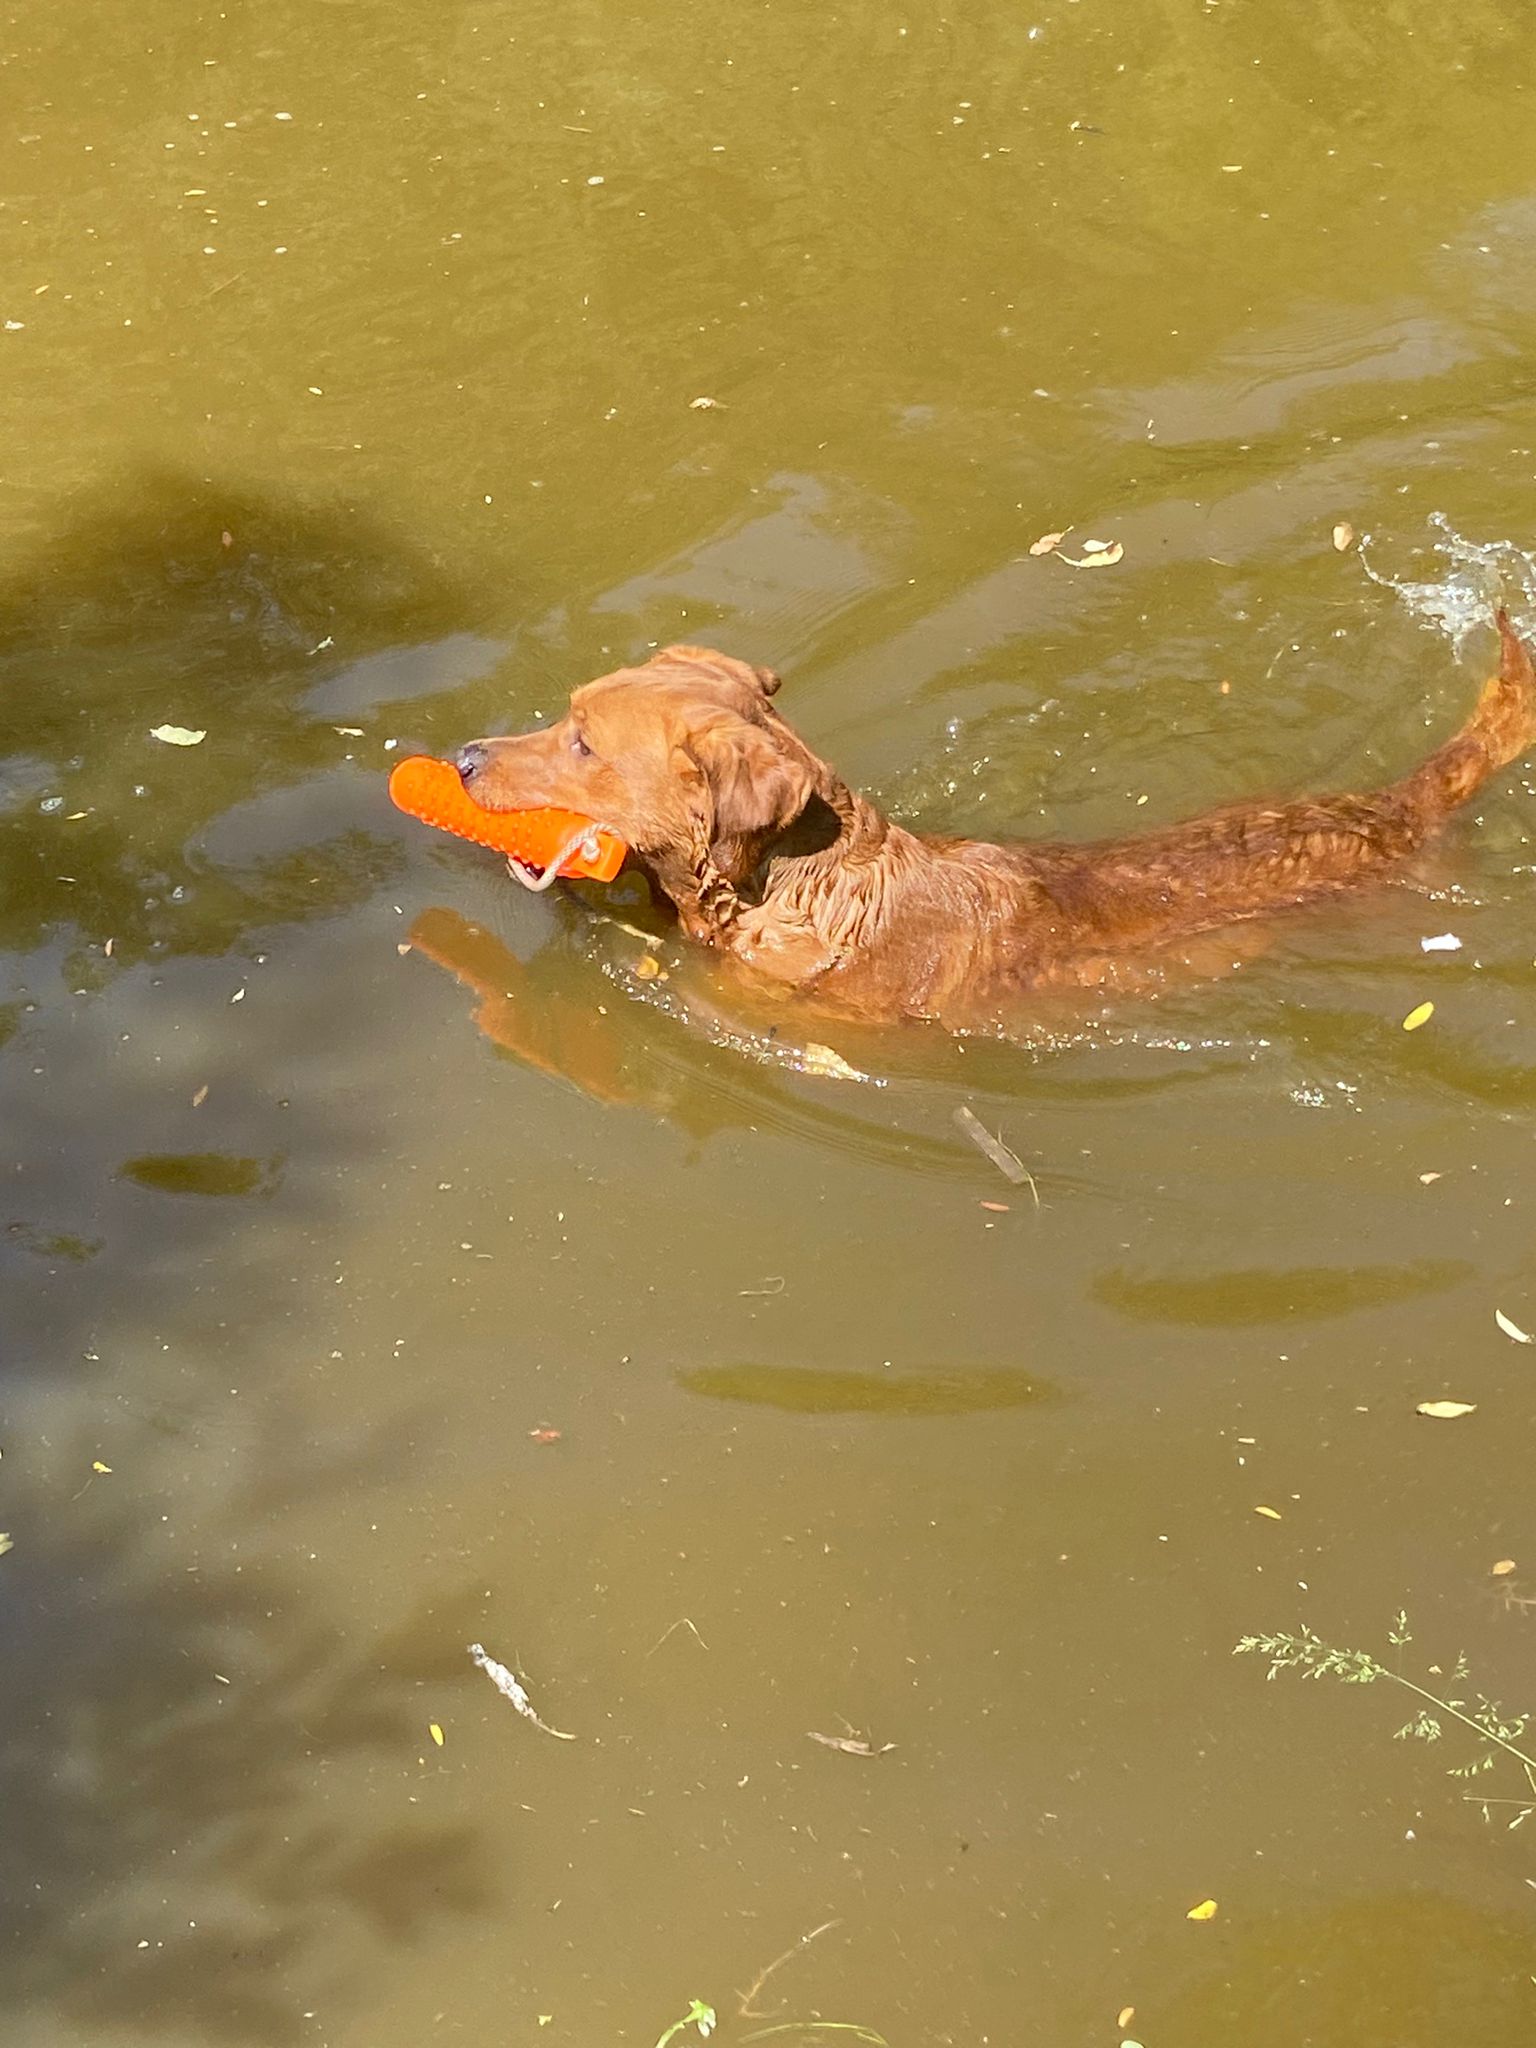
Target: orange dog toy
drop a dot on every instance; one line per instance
(552, 842)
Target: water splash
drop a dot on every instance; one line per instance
(1481, 575)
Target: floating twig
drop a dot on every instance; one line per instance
(682, 1621)
(746, 1998)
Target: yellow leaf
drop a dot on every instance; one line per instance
(830, 1065)
(436, 1733)
(1126, 2014)
(1512, 1329)
(1101, 557)
(97, 1466)
(1504, 1567)
(5, 1543)
(1272, 1514)
(1048, 542)
(1445, 1411)
(1343, 536)
(1419, 1016)
(1206, 1910)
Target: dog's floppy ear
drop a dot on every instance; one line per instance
(719, 667)
(757, 780)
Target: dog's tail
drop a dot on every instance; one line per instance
(1500, 730)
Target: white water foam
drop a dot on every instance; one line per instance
(1481, 576)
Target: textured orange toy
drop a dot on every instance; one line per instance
(577, 846)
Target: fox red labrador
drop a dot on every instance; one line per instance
(773, 860)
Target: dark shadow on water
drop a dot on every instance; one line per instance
(1301, 1294)
(206, 606)
(168, 1704)
(166, 1727)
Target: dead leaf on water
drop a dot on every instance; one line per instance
(1429, 1178)
(1445, 1411)
(1048, 542)
(5, 1543)
(1419, 1016)
(830, 1065)
(1270, 1514)
(200, 1097)
(1503, 1568)
(1007, 1162)
(1126, 2014)
(97, 1466)
(1512, 1330)
(1100, 554)
(1206, 1910)
(648, 968)
(436, 1733)
(177, 735)
(1343, 536)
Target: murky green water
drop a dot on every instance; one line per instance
(350, 366)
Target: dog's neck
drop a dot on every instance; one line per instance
(832, 869)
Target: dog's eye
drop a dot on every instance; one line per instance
(579, 746)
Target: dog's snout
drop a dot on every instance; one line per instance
(469, 760)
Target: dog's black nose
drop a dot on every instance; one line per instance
(469, 760)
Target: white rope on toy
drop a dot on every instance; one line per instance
(583, 842)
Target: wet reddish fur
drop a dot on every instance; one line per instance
(771, 858)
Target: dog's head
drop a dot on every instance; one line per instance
(684, 758)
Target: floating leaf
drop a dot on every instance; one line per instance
(1206, 1910)
(97, 1466)
(436, 1733)
(1343, 536)
(1512, 1329)
(1442, 942)
(830, 1065)
(1048, 542)
(178, 735)
(5, 1543)
(1126, 2014)
(1419, 1016)
(1096, 555)
(1270, 1514)
(1445, 1411)
(1430, 1178)
(1503, 1568)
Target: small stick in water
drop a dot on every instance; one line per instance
(509, 1688)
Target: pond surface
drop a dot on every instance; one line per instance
(354, 360)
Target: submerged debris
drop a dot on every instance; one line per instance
(1008, 1164)
(850, 1745)
(509, 1687)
